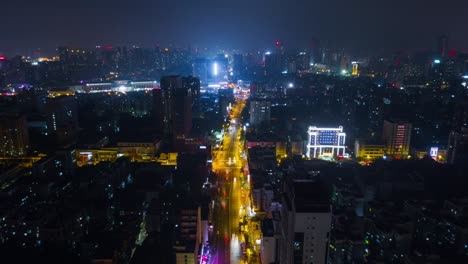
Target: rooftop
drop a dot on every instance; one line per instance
(311, 196)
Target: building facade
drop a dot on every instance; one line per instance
(174, 103)
(397, 136)
(259, 112)
(14, 135)
(325, 142)
(368, 151)
(457, 149)
(306, 222)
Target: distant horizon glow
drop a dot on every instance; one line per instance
(271, 24)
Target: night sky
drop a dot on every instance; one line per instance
(371, 25)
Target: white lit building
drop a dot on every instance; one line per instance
(121, 86)
(326, 142)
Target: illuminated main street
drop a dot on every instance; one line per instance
(233, 238)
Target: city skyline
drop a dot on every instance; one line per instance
(373, 27)
(241, 132)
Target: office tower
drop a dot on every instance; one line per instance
(259, 112)
(457, 149)
(306, 222)
(14, 135)
(397, 136)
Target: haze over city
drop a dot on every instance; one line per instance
(365, 25)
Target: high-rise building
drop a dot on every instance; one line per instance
(182, 113)
(200, 70)
(220, 67)
(176, 100)
(258, 90)
(344, 63)
(275, 63)
(303, 61)
(315, 56)
(77, 64)
(169, 84)
(3, 62)
(397, 136)
(306, 222)
(14, 136)
(268, 242)
(457, 149)
(188, 235)
(259, 112)
(62, 113)
(158, 109)
(442, 46)
(226, 99)
(355, 71)
(238, 66)
(192, 85)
